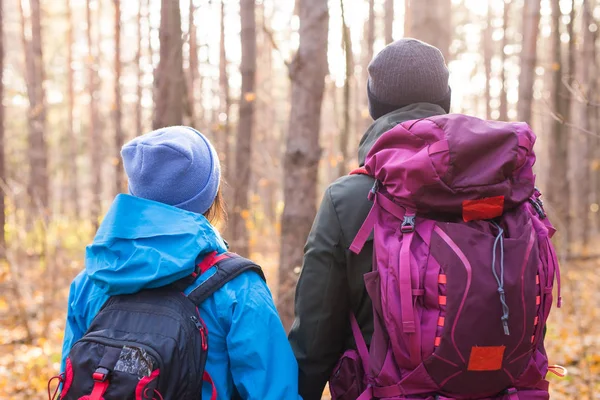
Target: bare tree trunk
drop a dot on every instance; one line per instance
(487, 61)
(531, 21)
(73, 139)
(558, 152)
(388, 21)
(2, 168)
(367, 56)
(245, 127)
(95, 141)
(346, 123)
(138, 66)
(303, 152)
(169, 73)
(503, 94)
(117, 113)
(407, 18)
(38, 186)
(193, 68)
(431, 22)
(225, 100)
(584, 142)
(569, 132)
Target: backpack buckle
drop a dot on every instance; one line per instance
(408, 225)
(373, 190)
(100, 374)
(538, 206)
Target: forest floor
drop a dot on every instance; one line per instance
(573, 338)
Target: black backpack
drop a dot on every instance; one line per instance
(151, 344)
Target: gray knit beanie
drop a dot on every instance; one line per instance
(405, 72)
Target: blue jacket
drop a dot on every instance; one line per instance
(145, 244)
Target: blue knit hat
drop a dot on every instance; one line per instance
(176, 165)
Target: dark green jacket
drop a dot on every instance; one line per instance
(331, 283)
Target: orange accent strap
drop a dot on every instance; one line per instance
(488, 208)
(441, 321)
(359, 171)
(442, 300)
(558, 370)
(538, 300)
(442, 279)
(536, 320)
(486, 358)
(533, 339)
(438, 340)
(537, 279)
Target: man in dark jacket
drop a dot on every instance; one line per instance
(407, 80)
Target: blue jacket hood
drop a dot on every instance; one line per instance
(143, 244)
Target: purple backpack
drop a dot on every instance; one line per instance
(463, 266)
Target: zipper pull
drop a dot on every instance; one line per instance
(202, 330)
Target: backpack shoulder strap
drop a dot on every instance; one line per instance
(229, 266)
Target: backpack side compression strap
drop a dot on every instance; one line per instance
(228, 268)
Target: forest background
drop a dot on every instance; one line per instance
(280, 87)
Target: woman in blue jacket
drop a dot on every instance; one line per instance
(152, 238)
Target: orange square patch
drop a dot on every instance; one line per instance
(486, 358)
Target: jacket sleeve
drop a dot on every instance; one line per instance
(321, 326)
(261, 361)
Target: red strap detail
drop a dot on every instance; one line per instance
(68, 378)
(359, 171)
(220, 258)
(207, 262)
(60, 379)
(361, 345)
(206, 378)
(139, 389)
(98, 376)
(442, 279)
(488, 208)
(442, 300)
(210, 260)
(441, 321)
(437, 342)
(98, 390)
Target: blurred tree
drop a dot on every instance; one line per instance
(95, 140)
(349, 67)
(488, 52)
(531, 21)
(117, 112)
(38, 186)
(503, 116)
(583, 116)
(245, 128)
(431, 22)
(558, 149)
(193, 66)
(139, 72)
(169, 76)
(224, 99)
(2, 148)
(73, 175)
(302, 154)
(389, 21)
